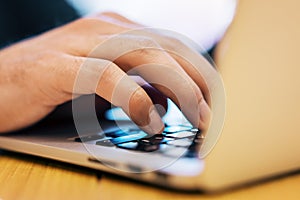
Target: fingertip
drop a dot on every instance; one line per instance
(205, 115)
(156, 125)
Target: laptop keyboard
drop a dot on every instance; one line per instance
(173, 141)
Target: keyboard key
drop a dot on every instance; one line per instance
(181, 142)
(106, 143)
(155, 139)
(146, 147)
(182, 134)
(128, 145)
(139, 146)
(194, 130)
(128, 138)
(151, 143)
(174, 129)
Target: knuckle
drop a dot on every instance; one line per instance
(146, 46)
(173, 43)
(148, 42)
(111, 70)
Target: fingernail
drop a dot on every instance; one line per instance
(205, 115)
(156, 124)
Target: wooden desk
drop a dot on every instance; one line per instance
(27, 177)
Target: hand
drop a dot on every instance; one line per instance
(39, 74)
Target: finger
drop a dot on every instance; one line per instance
(194, 73)
(163, 72)
(160, 101)
(180, 88)
(180, 51)
(107, 80)
(194, 64)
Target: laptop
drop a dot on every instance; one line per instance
(259, 137)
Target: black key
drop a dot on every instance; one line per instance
(185, 142)
(128, 138)
(155, 139)
(144, 144)
(182, 134)
(195, 130)
(128, 145)
(89, 138)
(138, 146)
(106, 143)
(174, 129)
(151, 143)
(147, 147)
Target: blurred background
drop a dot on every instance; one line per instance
(204, 21)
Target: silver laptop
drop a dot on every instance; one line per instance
(260, 137)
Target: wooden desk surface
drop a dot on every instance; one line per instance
(27, 177)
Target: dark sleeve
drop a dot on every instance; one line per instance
(20, 19)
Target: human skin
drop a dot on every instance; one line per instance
(38, 74)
